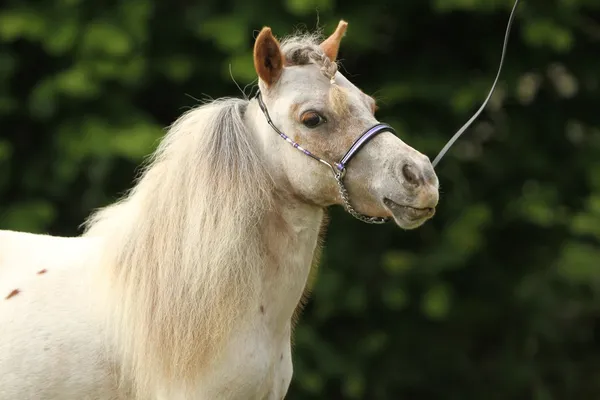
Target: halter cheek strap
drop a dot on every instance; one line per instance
(338, 168)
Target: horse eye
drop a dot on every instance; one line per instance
(312, 119)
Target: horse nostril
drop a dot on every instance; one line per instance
(410, 174)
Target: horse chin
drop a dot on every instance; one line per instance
(407, 216)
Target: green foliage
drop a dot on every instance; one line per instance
(497, 296)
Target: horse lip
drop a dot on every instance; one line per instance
(407, 211)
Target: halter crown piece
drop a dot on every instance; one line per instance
(339, 168)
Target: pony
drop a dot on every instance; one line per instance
(189, 286)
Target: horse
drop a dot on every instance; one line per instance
(189, 286)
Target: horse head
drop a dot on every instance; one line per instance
(347, 157)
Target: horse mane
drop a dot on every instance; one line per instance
(183, 250)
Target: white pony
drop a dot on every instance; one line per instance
(187, 288)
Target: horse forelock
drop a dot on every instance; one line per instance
(304, 49)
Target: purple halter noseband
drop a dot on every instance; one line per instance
(338, 168)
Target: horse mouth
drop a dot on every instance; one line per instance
(408, 217)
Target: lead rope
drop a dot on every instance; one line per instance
(470, 121)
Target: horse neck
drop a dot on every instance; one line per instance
(292, 238)
(292, 235)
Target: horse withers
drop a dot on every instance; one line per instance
(188, 286)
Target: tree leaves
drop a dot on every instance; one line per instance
(496, 296)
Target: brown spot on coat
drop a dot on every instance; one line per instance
(13, 293)
(262, 309)
(373, 104)
(43, 271)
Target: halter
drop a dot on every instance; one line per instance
(338, 168)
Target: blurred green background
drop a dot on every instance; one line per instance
(498, 297)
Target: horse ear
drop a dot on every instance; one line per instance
(331, 45)
(268, 59)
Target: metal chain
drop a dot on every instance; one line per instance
(351, 210)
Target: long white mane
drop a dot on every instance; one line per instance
(182, 252)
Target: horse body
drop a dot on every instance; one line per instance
(51, 340)
(55, 319)
(187, 288)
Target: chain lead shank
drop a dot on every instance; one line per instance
(346, 199)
